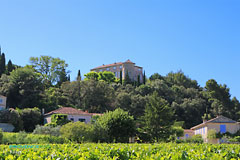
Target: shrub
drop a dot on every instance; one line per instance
(195, 139)
(77, 131)
(115, 126)
(31, 117)
(25, 138)
(47, 130)
(212, 134)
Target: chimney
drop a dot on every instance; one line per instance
(43, 111)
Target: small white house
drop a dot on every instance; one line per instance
(74, 115)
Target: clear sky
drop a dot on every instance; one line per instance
(199, 37)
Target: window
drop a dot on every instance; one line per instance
(115, 74)
(114, 67)
(1, 100)
(72, 119)
(222, 128)
(204, 130)
(120, 67)
(108, 69)
(100, 70)
(81, 119)
(139, 69)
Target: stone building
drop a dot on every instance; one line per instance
(124, 67)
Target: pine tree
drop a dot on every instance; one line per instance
(9, 67)
(79, 78)
(144, 78)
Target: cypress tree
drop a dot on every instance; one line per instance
(2, 64)
(144, 78)
(120, 77)
(79, 78)
(138, 81)
(9, 67)
(127, 79)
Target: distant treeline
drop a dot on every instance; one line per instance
(45, 83)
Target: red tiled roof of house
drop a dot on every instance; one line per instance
(114, 64)
(70, 111)
(108, 65)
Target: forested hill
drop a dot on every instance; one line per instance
(45, 83)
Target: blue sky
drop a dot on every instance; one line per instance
(199, 37)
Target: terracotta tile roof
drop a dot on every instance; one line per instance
(218, 119)
(70, 111)
(108, 65)
(114, 64)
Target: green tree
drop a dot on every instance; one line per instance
(114, 126)
(31, 117)
(79, 78)
(219, 98)
(91, 76)
(121, 80)
(10, 67)
(144, 78)
(156, 76)
(138, 80)
(106, 76)
(51, 69)
(2, 64)
(23, 88)
(97, 96)
(158, 118)
(127, 79)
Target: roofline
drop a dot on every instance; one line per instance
(210, 121)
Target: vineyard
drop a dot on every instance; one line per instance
(120, 151)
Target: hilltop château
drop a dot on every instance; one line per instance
(124, 67)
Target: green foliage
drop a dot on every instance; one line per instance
(58, 120)
(47, 130)
(91, 76)
(106, 76)
(77, 132)
(31, 117)
(2, 64)
(97, 96)
(195, 139)
(211, 134)
(156, 76)
(1, 135)
(25, 138)
(127, 79)
(23, 88)
(79, 78)
(51, 69)
(122, 151)
(114, 126)
(10, 67)
(13, 117)
(157, 119)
